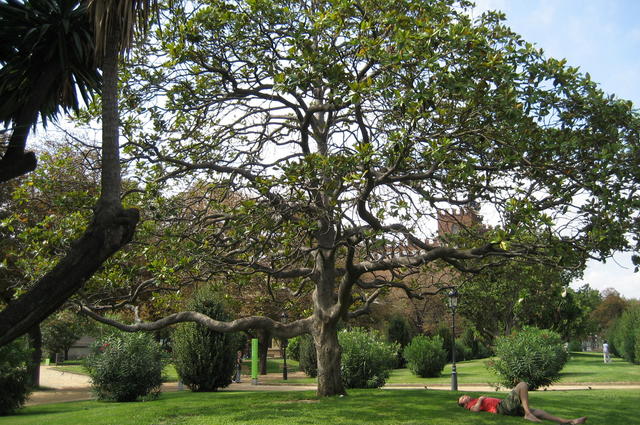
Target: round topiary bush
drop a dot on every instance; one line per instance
(533, 355)
(14, 376)
(366, 358)
(425, 356)
(125, 367)
(205, 359)
(307, 355)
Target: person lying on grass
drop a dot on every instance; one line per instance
(515, 404)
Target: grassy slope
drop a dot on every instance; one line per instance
(371, 407)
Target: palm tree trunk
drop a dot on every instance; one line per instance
(111, 179)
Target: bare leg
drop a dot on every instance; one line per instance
(549, 417)
(522, 389)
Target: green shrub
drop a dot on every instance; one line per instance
(205, 359)
(293, 348)
(366, 358)
(472, 346)
(126, 366)
(624, 335)
(532, 355)
(575, 345)
(425, 356)
(14, 376)
(307, 355)
(399, 331)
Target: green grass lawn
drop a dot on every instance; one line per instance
(581, 368)
(371, 407)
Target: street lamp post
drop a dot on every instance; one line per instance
(285, 342)
(453, 304)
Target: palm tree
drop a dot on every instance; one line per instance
(47, 57)
(115, 23)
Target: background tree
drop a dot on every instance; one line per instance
(61, 331)
(345, 127)
(610, 309)
(505, 298)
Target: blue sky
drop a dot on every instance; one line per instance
(603, 38)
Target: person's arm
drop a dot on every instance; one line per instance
(476, 407)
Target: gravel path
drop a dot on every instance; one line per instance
(67, 386)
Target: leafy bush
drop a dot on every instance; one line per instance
(307, 355)
(126, 366)
(472, 346)
(625, 334)
(293, 348)
(425, 356)
(205, 359)
(366, 358)
(532, 355)
(399, 331)
(14, 376)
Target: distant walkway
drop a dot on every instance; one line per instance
(66, 386)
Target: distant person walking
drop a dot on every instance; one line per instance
(605, 352)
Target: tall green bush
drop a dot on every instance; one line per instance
(205, 359)
(366, 358)
(14, 376)
(293, 348)
(533, 355)
(126, 366)
(399, 331)
(425, 356)
(625, 334)
(307, 355)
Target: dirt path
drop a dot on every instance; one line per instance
(67, 386)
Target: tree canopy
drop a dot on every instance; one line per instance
(331, 133)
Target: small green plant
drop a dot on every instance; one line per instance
(125, 367)
(205, 359)
(533, 355)
(14, 377)
(425, 356)
(366, 358)
(307, 355)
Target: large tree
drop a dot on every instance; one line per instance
(344, 127)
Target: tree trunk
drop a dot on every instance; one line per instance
(110, 183)
(35, 342)
(325, 336)
(100, 241)
(263, 349)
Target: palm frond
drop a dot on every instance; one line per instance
(128, 17)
